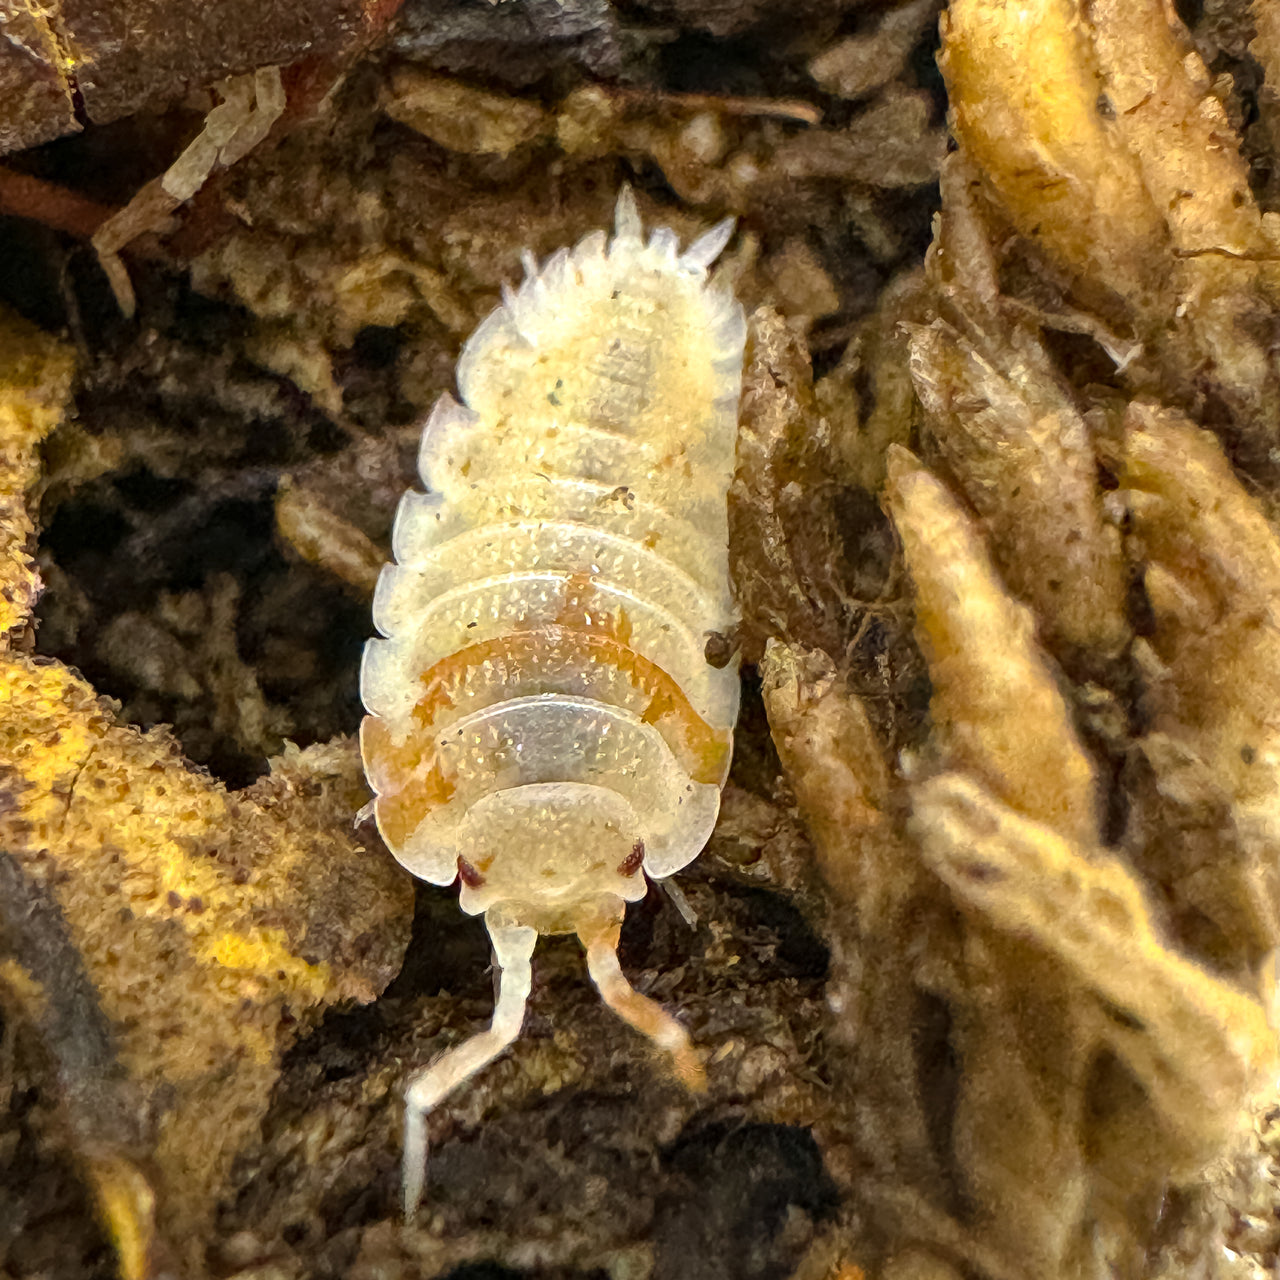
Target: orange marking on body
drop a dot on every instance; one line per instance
(660, 705)
(437, 698)
(400, 812)
(412, 789)
(701, 750)
(575, 609)
(587, 609)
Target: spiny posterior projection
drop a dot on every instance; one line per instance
(543, 722)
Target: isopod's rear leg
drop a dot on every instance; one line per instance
(600, 938)
(512, 949)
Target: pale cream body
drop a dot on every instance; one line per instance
(543, 718)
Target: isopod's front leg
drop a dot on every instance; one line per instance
(599, 934)
(512, 949)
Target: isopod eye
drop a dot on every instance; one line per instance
(633, 861)
(719, 649)
(468, 874)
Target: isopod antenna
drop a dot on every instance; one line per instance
(599, 935)
(512, 950)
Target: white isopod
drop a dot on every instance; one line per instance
(544, 723)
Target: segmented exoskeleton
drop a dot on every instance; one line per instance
(544, 723)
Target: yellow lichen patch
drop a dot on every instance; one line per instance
(35, 384)
(22, 985)
(206, 923)
(262, 950)
(127, 1205)
(43, 761)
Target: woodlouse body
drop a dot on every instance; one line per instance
(544, 722)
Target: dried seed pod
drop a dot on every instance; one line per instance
(997, 711)
(1211, 573)
(544, 721)
(1022, 455)
(1197, 1044)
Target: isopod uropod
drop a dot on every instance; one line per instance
(543, 721)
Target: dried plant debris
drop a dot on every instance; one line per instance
(321, 536)
(577, 1152)
(1007, 428)
(995, 708)
(165, 583)
(789, 584)
(1102, 142)
(1208, 803)
(814, 555)
(855, 66)
(249, 107)
(1027, 970)
(992, 916)
(984, 941)
(868, 399)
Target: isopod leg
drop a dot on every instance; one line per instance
(512, 949)
(600, 938)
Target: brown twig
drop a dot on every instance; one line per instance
(22, 196)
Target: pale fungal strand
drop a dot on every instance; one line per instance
(543, 720)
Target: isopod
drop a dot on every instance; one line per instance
(544, 724)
